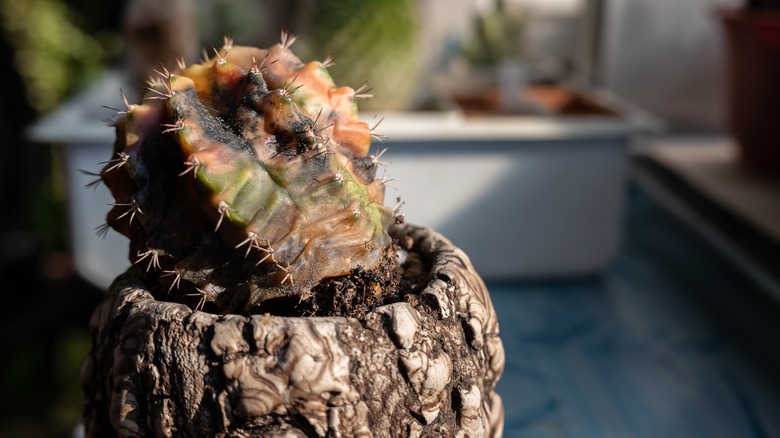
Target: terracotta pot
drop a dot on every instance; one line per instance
(427, 366)
(753, 68)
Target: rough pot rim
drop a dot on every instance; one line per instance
(155, 364)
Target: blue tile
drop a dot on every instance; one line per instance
(670, 341)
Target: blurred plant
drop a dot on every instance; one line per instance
(47, 209)
(497, 36)
(243, 20)
(372, 40)
(51, 48)
(155, 35)
(52, 52)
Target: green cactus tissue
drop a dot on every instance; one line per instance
(247, 178)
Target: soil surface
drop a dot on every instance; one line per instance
(397, 278)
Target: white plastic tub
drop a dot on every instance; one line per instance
(522, 196)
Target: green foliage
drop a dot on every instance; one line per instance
(497, 36)
(763, 4)
(54, 55)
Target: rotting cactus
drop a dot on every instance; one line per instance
(247, 179)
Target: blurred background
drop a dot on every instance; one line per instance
(610, 166)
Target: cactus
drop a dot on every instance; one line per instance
(245, 179)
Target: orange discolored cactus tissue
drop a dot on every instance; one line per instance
(247, 178)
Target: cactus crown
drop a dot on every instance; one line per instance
(245, 178)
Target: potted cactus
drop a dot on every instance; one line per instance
(272, 291)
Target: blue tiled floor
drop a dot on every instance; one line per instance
(670, 341)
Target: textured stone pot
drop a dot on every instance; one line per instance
(427, 366)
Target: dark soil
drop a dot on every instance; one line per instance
(358, 293)
(539, 99)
